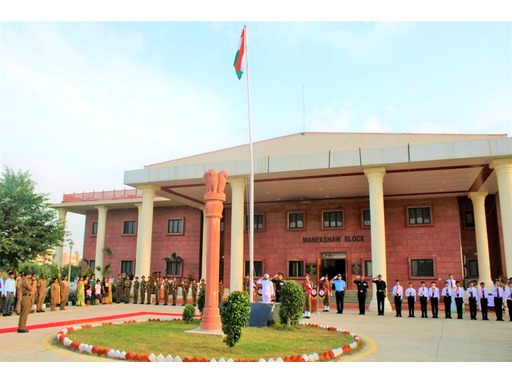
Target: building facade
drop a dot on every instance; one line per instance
(407, 206)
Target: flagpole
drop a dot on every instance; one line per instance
(251, 179)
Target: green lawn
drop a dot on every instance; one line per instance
(170, 338)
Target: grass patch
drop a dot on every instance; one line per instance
(170, 338)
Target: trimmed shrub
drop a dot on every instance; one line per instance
(235, 316)
(292, 303)
(188, 313)
(201, 299)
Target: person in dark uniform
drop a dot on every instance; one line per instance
(380, 285)
(410, 294)
(398, 294)
(362, 289)
(423, 295)
(278, 281)
(472, 299)
(433, 294)
(458, 293)
(483, 295)
(136, 286)
(447, 299)
(498, 292)
(27, 293)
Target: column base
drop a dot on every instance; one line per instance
(210, 320)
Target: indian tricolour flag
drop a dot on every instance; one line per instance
(239, 57)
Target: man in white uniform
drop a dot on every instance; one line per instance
(267, 288)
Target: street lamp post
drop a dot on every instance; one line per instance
(71, 243)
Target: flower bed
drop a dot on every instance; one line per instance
(63, 337)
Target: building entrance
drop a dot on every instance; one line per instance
(332, 263)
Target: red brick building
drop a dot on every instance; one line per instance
(408, 206)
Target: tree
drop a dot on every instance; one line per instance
(292, 303)
(235, 316)
(28, 226)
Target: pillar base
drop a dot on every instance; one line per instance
(210, 321)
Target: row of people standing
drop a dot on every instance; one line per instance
(162, 288)
(454, 297)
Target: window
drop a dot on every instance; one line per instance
(296, 220)
(473, 268)
(175, 226)
(368, 272)
(222, 224)
(258, 268)
(365, 218)
(332, 219)
(127, 267)
(92, 264)
(296, 268)
(469, 219)
(419, 216)
(129, 228)
(258, 222)
(173, 268)
(94, 229)
(422, 268)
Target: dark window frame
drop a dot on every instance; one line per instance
(294, 215)
(419, 213)
(129, 227)
(333, 219)
(181, 226)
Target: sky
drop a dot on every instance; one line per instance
(83, 100)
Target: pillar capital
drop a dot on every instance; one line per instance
(237, 182)
(500, 163)
(477, 196)
(375, 173)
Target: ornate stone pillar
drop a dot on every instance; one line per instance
(214, 198)
(100, 239)
(145, 232)
(237, 234)
(204, 241)
(375, 178)
(482, 242)
(503, 169)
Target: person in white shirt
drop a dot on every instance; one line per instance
(2, 292)
(508, 297)
(451, 281)
(433, 293)
(267, 288)
(10, 294)
(410, 293)
(423, 295)
(483, 295)
(447, 299)
(472, 298)
(458, 294)
(398, 293)
(498, 292)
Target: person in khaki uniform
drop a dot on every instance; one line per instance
(64, 292)
(34, 292)
(174, 289)
(166, 285)
(149, 289)
(119, 288)
(185, 286)
(136, 286)
(19, 279)
(127, 289)
(54, 294)
(41, 292)
(194, 287)
(27, 293)
(158, 291)
(142, 289)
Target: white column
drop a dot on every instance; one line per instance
(203, 248)
(145, 232)
(482, 241)
(375, 178)
(237, 233)
(100, 239)
(58, 250)
(503, 169)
